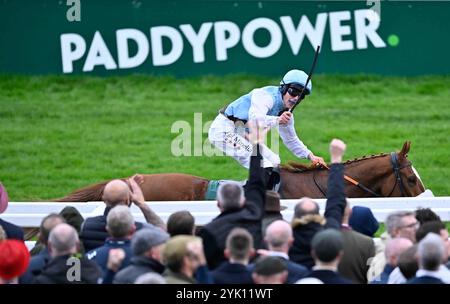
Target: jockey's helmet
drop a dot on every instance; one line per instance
(295, 78)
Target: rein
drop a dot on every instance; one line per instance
(395, 167)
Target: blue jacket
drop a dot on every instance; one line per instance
(37, 264)
(100, 256)
(384, 276)
(425, 280)
(12, 231)
(228, 273)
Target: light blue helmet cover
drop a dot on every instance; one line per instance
(297, 77)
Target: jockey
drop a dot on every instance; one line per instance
(268, 105)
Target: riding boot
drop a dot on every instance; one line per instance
(272, 177)
(267, 175)
(275, 179)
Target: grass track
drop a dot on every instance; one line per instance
(59, 133)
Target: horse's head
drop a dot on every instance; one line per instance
(403, 181)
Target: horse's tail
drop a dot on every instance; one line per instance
(86, 194)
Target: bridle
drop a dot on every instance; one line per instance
(398, 180)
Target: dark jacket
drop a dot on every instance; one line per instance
(306, 227)
(383, 278)
(37, 264)
(249, 217)
(58, 272)
(12, 231)
(329, 277)
(358, 249)
(228, 273)
(295, 271)
(425, 280)
(93, 231)
(100, 256)
(139, 266)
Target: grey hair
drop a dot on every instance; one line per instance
(63, 239)
(395, 220)
(150, 278)
(230, 195)
(430, 252)
(119, 221)
(300, 211)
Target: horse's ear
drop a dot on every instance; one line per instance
(405, 149)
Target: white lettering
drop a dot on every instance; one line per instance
(222, 42)
(275, 37)
(68, 55)
(157, 33)
(337, 31)
(99, 55)
(296, 35)
(124, 59)
(367, 31)
(197, 41)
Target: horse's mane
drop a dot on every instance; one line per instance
(86, 194)
(295, 167)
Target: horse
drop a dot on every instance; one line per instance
(382, 175)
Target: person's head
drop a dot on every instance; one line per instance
(182, 254)
(438, 228)
(149, 242)
(402, 224)
(424, 215)
(270, 270)
(14, 260)
(230, 195)
(47, 224)
(279, 236)
(363, 221)
(394, 248)
(272, 209)
(72, 217)
(273, 203)
(63, 240)
(181, 222)
(407, 262)
(116, 192)
(430, 252)
(239, 246)
(292, 85)
(327, 247)
(120, 222)
(306, 206)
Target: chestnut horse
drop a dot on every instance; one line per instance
(381, 175)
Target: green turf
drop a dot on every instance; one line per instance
(60, 133)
